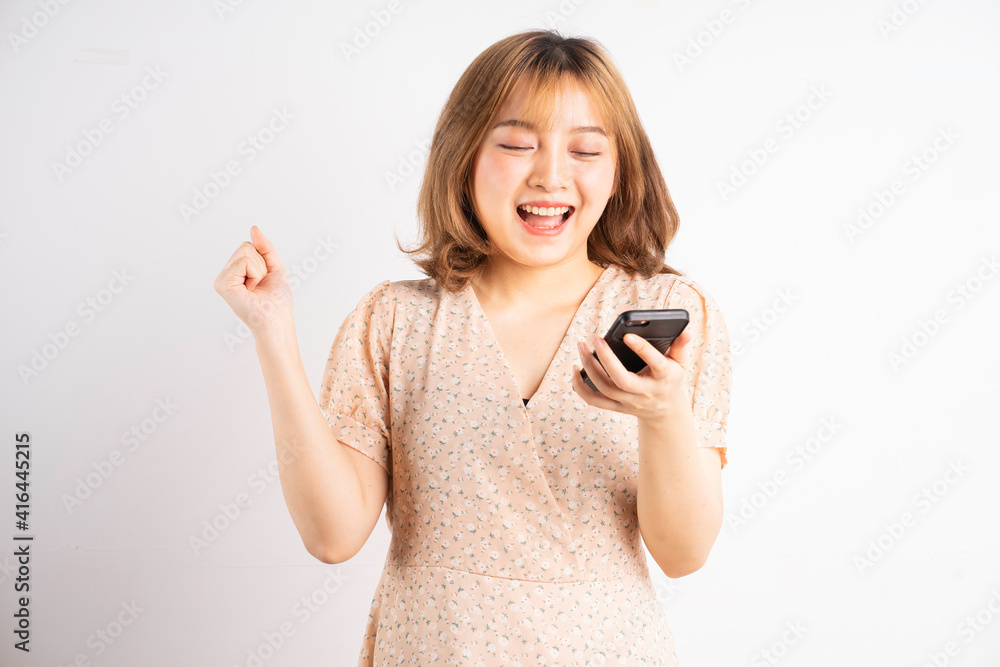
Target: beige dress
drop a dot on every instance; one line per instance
(514, 531)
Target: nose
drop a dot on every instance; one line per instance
(549, 169)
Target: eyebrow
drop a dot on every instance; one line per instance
(512, 122)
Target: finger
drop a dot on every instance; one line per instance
(244, 260)
(601, 377)
(266, 249)
(595, 398)
(678, 348)
(253, 268)
(622, 378)
(655, 360)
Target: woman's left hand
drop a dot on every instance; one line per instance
(652, 394)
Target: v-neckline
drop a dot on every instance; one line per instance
(474, 299)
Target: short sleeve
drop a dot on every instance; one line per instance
(708, 362)
(354, 395)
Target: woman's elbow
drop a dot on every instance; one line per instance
(675, 568)
(330, 554)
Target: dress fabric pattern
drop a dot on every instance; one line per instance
(514, 527)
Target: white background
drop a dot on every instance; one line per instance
(818, 312)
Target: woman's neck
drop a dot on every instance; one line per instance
(509, 285)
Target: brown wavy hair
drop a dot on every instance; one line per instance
(639, 221)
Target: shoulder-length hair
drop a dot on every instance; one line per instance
(639, 220)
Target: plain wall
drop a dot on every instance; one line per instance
(854, 256)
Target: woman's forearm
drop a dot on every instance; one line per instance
(680, 513)
(318, 479)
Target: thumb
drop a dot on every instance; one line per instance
(679, 347)
(266, 250)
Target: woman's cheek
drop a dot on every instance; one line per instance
(598, 179)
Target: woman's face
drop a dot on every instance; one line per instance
(573, 165)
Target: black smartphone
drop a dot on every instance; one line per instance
(659, 327)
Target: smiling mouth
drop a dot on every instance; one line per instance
(543, 221)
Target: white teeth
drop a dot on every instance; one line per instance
(544, 210)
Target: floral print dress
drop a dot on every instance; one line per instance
(514, 527)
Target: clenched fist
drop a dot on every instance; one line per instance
(255, 285)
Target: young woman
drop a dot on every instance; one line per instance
(519, 499)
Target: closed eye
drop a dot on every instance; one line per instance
(527, 148)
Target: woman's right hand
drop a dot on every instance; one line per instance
(255, 285)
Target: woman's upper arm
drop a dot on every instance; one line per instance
(355, 401)
(708, 364)
(374, 482)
